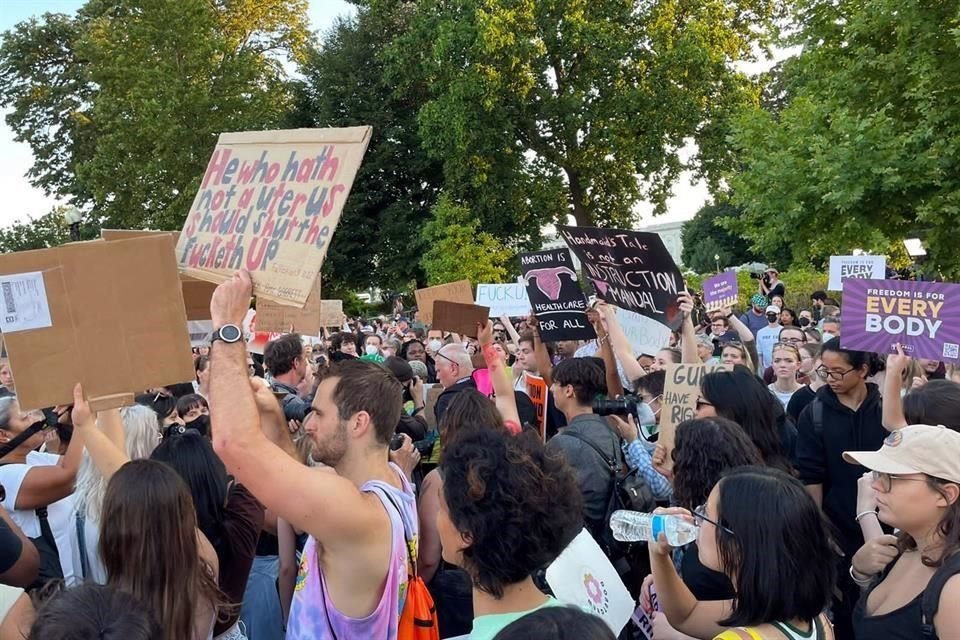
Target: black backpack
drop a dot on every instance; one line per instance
(630, 491)
(931, 595)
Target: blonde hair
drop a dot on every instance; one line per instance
(744, 354)
(780, 346)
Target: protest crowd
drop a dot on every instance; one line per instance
(388, 478)
(494, 462)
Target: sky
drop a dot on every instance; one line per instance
(25, 201)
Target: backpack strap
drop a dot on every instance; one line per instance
(931, 595)
(408, 539)
(612, 463)
(817, 415)
(82, 543)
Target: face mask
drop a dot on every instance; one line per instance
(647, 421)
(772, 318)
(827, 336)
(201, 423)
(435, 345)
(804, 322)
(371, 350)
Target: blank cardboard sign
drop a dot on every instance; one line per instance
(118, 323)
(459, 317)
(459, 291)
(196, 293)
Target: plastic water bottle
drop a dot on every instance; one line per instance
(632, 526)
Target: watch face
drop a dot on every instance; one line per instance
(230, 333)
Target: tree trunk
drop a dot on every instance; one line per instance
(581, 213)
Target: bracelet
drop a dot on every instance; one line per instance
(859, 581)
(866, 513)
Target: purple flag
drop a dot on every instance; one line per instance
(924, 317)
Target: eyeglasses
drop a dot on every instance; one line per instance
(823, 372)
(440, 355)
(885, 480)
(792, 341)
(701, 403)
(700, 516)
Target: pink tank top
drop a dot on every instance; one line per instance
(314, 617)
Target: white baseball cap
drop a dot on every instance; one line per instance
(773, 309)
(934, 451)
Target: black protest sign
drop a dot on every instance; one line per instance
(555, 296)
(631, 269)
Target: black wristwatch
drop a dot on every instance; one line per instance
(229, 333)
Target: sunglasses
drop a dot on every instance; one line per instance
(703, 403)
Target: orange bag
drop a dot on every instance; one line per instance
(418, 620)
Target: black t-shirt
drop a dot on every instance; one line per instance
(704, 583)
(777, 290)
(10, 547)
(799, 401)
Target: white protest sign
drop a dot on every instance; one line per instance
(646, 335)
(504, 299)
(583, 576)
(25, 305)
(861, 267)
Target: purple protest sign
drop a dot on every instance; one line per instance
(924, 317)
(720, 291)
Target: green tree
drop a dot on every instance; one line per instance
(540, 109)
(868, 149)
(458, 249)
(145, 86)
(704, 237)
(49, 230)
(345, 84)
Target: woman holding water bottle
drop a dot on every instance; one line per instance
(762, 529)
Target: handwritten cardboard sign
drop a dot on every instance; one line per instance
(646, 336)
(537, 390)
(117, 323)
(459, 291)
(924, 317)
(196, 293)
(504, 299)
(556, 296)
(856, 267)
(269, 202)
(680, 395)
(331, 313)
(631, 269)
(459, 317)
(282, 318)
(720, 291)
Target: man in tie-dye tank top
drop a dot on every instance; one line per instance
(353, 576)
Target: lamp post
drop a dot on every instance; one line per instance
(73, 216)
(716, 258)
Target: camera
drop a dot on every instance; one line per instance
(625, 406)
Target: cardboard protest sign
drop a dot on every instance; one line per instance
(284, 319)
(680, 395)
(720, 291)
(116, 321)
(459, 291)
(196, 293)
(924, 317)
(631, 269)
(859, 267)
(646, 336)
(458, 317)
(555, 296)
(331, 313)
(537, 390)
(584, 577)
(269, 202)
(504, 299)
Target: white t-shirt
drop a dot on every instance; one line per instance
(782, 396)
(59, 514)
(766, 339)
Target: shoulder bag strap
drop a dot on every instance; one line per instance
(611, 464)
(82, 542)
(931, 595)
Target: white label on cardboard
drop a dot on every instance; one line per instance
(583, 576)
(24, 305)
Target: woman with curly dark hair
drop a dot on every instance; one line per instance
(507, 509)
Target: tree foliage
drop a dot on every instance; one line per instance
(544, 108)
(122, 103)
(379, 240)
(459, 250)
(867, 150)
(49, 230)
